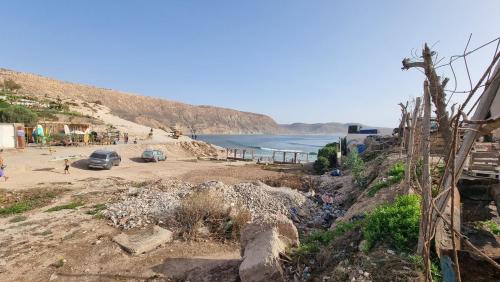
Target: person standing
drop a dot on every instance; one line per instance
(2, 167)
(66, 166)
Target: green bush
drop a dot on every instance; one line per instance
(321, 165)
(490, 226)
(396, 224)
(327, 158)
(396, 174)
(312, 244)
(357, 166)
(18, 114)
(329, 152)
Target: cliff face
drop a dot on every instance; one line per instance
(148, 111)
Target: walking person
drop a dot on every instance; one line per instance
(2, 167)
(66, 166)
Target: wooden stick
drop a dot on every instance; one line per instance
(470, 137)
(426, 181)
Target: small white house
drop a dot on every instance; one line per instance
(8, 136)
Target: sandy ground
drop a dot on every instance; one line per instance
(30, 248)
(134, 130)
(33, 166)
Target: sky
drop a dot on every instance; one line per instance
(296, 61)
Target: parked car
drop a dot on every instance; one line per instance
(150, 155)
(104, 159)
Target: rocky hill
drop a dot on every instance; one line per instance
(149, 111)
(162, 113)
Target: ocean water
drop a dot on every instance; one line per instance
(264, 145)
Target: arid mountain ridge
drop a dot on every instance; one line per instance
(156, 112)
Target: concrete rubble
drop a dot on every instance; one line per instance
(143, 240)
(262, 241)
(157, 202)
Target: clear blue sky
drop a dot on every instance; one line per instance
(297, 61)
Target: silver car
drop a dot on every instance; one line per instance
(151, 155)
(104, 159)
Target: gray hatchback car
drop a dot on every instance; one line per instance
(104, 159)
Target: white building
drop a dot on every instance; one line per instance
(8, 135)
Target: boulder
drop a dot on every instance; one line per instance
(142, 241)
(262, 241)
(285, 228)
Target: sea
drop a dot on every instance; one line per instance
(264, 145)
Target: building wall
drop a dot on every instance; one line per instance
(7, 136)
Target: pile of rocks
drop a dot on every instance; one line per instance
(157, 201)
(153, 202)
(261, 199)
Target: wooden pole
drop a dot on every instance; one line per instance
(274, 154)
(244, 151)
(426, 176)
(284, 157)
(409, 146)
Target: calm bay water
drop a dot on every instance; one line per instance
(264, 145)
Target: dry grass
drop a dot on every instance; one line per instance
(238, 221)
(206, 210)
(298, 182)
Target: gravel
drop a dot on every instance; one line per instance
(157, 201)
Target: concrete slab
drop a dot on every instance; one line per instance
(142, 241)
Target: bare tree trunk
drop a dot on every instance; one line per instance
(438, 96)
(426, 176)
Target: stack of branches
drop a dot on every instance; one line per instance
(450, 125)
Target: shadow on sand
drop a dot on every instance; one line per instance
(199, 269)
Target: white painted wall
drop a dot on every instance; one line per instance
(7, 136)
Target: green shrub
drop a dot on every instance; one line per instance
(312, 244)
(491, 226)
(18, 114)
(321, 165)
(330, 153)
(397, 171)
(396, 174)
(357, 166)
(396, 224)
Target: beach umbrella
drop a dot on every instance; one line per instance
(66, 129)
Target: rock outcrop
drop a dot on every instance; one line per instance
(262, 241)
